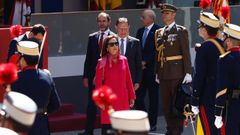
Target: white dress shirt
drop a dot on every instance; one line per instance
(105, 34)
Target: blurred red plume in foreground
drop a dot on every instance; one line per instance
(103, 96)
(8, 73)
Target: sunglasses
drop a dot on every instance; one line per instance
(113, 43)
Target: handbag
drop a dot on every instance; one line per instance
(182, 97)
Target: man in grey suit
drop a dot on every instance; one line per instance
(130, 47)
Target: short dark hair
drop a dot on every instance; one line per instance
(122, 20)
(31, 60)
(211, 31)
(38, 28)
(105, 15)
(105, 44)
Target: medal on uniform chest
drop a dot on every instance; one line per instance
(172, 38)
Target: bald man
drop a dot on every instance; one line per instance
(146, 36)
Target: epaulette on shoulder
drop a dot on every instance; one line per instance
(225, 54)
(92, 34)
(180, 27)
(159, 30)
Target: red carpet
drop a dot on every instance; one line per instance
(67, 120)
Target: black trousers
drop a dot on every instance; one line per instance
(174, 121)
(106, 128)
(233, 118)
(149, 85)
(91, 110)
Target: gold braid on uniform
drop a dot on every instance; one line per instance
(160, 54)
(222, 92)
(159, 48)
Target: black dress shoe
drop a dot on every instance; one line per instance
(153, 128)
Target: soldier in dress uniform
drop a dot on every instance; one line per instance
(130, 122)
(204, 81)
(37, 84)
(18, 112)
(228, 82)
(173, 64)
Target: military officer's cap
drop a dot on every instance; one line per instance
(20, 108)
(208, 19)
(130, 121)
(167, 7)
(28, 48)
(6, 131)
(232, 30)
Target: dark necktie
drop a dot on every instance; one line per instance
(165, 34)
(101, 42)
(122, 46)
(166, 30)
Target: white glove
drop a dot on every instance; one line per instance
(195, 110)
(218, 121)
(187, 78)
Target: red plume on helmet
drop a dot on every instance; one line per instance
(8, 74)
(103, 97)
(15, 30)
(225, 10)
(205, 4)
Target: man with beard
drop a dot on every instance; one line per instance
(94, 48)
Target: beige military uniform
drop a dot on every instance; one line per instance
(173, 56)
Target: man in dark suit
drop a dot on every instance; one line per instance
(147, 41)
(130, 47)
(95, 42)
(37, 32)
(173, 66)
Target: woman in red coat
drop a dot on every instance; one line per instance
(112, 70)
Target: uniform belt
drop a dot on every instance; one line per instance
(236, 94)
(170, 58)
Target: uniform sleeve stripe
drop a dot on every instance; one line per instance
(222, 92)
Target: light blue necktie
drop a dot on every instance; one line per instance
(122, 46)
(144, 37)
